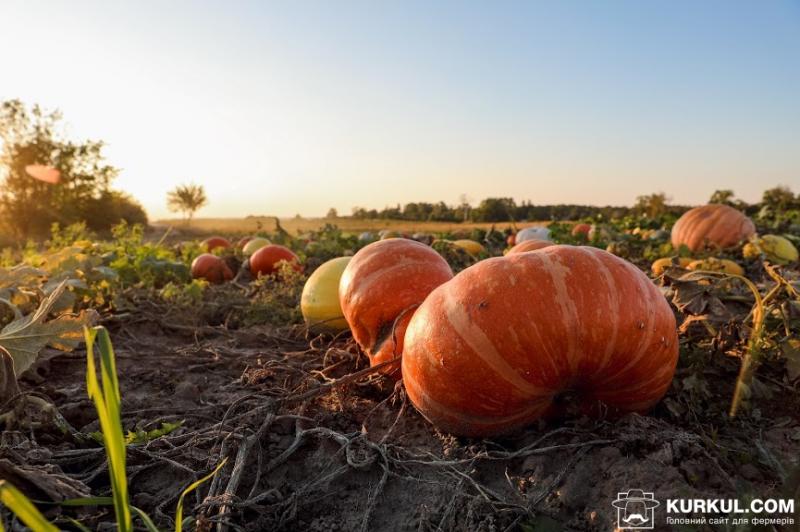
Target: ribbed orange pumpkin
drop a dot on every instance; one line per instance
(510, 338)
(711, 226)
(529, 245)
(381, 288)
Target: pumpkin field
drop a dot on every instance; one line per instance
(492, 378)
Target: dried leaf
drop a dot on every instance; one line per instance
(8, 379)
(791, 352)
(697, 295)
(696, 386)
(47, 479)
(25, 338)
(22, 275)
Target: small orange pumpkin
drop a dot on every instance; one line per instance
(529, 245)
(211, 268)
(711, 226)
(210, 244)
(266, 260)
(496, 347)
(381, 288)
(581, 230)
(243, 241)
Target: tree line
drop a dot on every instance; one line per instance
(508, 210)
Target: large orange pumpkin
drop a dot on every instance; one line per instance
(381, 288)
(510, 339)
(529, 245)
(711, 226)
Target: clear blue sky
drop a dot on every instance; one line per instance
(294, 107)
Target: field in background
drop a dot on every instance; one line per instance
(252, 224)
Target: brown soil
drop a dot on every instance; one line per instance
(309, 452)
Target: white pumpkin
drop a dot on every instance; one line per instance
(533, 233)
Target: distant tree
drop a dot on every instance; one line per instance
(332, 213)
(494, 210)
(652, 205)
(187, 199)
(28, 207)
(724, 197)
(780, 198)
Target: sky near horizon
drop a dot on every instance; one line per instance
(295, 107)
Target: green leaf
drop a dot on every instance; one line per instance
(24, 338)
(144, 436)
(23, 508)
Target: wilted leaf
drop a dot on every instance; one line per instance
(8, 380)
(791, 352)
(22, 275)
(696, 387)
(47, 479)
(24, 338)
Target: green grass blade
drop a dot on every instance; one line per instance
(107, 501)
(107, 402)
(23, 508)
(86, 501)
(193, 486)
(148, 523)
(78, 525)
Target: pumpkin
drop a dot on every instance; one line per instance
(529, 245)
(243, 241)
(775, 249)
(511, 240)
(387, 234)
(712, 264)
(470, 246)
(599, 232)
(659, 234)
(533, 233)
(662, 264)
(425, 238)
(319, 302)
(254, 245)
(211, 268)
(210, 244)
(581, 230)
(508, 340)
(619, 248)
(380, 289)
(266, 260)
(711, 226)
(366, 236)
